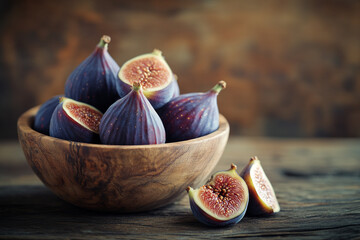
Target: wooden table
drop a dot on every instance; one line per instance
(317, 182)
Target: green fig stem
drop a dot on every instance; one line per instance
(157, 52)
(104, 41)
(233, 167)
(61, 99)
(136, 86)
(218, 87)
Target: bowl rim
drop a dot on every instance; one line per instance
(25, 122)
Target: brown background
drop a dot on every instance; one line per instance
(292, 67)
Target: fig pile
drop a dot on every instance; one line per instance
(138, 103)
(227, 196)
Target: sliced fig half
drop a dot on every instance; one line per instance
(75, 121)
(222, 201)
(263, 200)
(154, 75)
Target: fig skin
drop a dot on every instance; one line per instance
(257, 206)
(64, 126)
(161, 97)
(175, 85)
(204, 213)
(157, 96)
(43, 116)
(191, 115)
(132, 121)
(94, 80)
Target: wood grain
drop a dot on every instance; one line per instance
(316, 182)
(120, 178)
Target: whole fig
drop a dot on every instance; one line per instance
(154, 75)
(75, 121)
(43, 116)
(222, 201)
(94, 80)
(191, 115)
(132, 121)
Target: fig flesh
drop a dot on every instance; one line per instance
(153, 73)
(191, 115)
(94, 80)
(75, 121)
(222, 201)
(43, 116)
(132, 121)
(263, 200)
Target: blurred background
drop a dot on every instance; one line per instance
(292, 67)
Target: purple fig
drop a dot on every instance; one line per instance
(154, 75)
(94, 80)
(191, 115)
(263, 200)
(174, 84)
(75, 121)
(43, 116)
(132, 121)
(222, 201)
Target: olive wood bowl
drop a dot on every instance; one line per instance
(117, 177)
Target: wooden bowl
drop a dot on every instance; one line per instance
(120, 178)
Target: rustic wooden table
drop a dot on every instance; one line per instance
(317, 182)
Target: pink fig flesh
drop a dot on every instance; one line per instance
(222, 201)
(149, 71)
(88, 117)
(153, 73)
(75, 121)
(263, 200)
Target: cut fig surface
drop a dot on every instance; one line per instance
(262, 195)
(218, 196)
(154, 75)
(75, 121)
(84, 114)
(222, 201)
(262, 186)
(150, 70)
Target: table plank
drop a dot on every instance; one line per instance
(317, 182)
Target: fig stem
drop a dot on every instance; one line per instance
(233, 167)
(136, 86)
(157, 52)
(104, 41)
(218, 87)
(61, 99)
